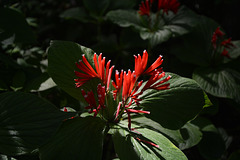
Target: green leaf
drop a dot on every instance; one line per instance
(125, 18)
(174, 107)
(188, 136)
(26, 122)
(191, 135)
(62, 57)
(46, 85)
(195, 47)
(96, 7)
(221, 82)
(235, 51)
(13, 22)
(156, 37)
(79, 138)
(126, 142)
(182, 22)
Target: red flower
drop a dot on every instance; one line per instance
(127, 88)
(227, 43)
(216, 34)
(89, 72)
(167, 5)
(148, 142)
(144, 9)
(141, 63)
(225, 53)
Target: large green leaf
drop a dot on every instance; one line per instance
(14, 24)
(26, 122)
(186, 137)
(126, 142)
(221, 82)
(195, 47)
(174, 107)
(62, 57)
(79, 138)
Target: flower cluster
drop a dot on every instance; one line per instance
(165, 5)
(126, 88)
(219, 43)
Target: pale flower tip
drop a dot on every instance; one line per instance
(83, 55)
(145, 51)
(160, 56)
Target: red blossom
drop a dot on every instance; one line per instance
(225, 53)
(216, 34)
(148, 142)
(227, 43)
(141, 63)
(167, 5)
(144, 8)
(127, 88)
(88, 72)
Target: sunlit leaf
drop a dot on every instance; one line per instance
(138, 147)
(174, 107)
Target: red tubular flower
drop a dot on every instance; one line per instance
(225, 53)
(137, 111)
(167, 5)
(101, 95)
(89, 72)
(227, 43)
(141, 63)
(153, 84)
(216, 34)
(151, 143)
(118, 84)
(144, 9)
(89, 98)
(127, 88)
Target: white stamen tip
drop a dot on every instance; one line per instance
(85, 96)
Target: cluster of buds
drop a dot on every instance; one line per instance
(126, 88)
(165, 5)
(219, 42)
